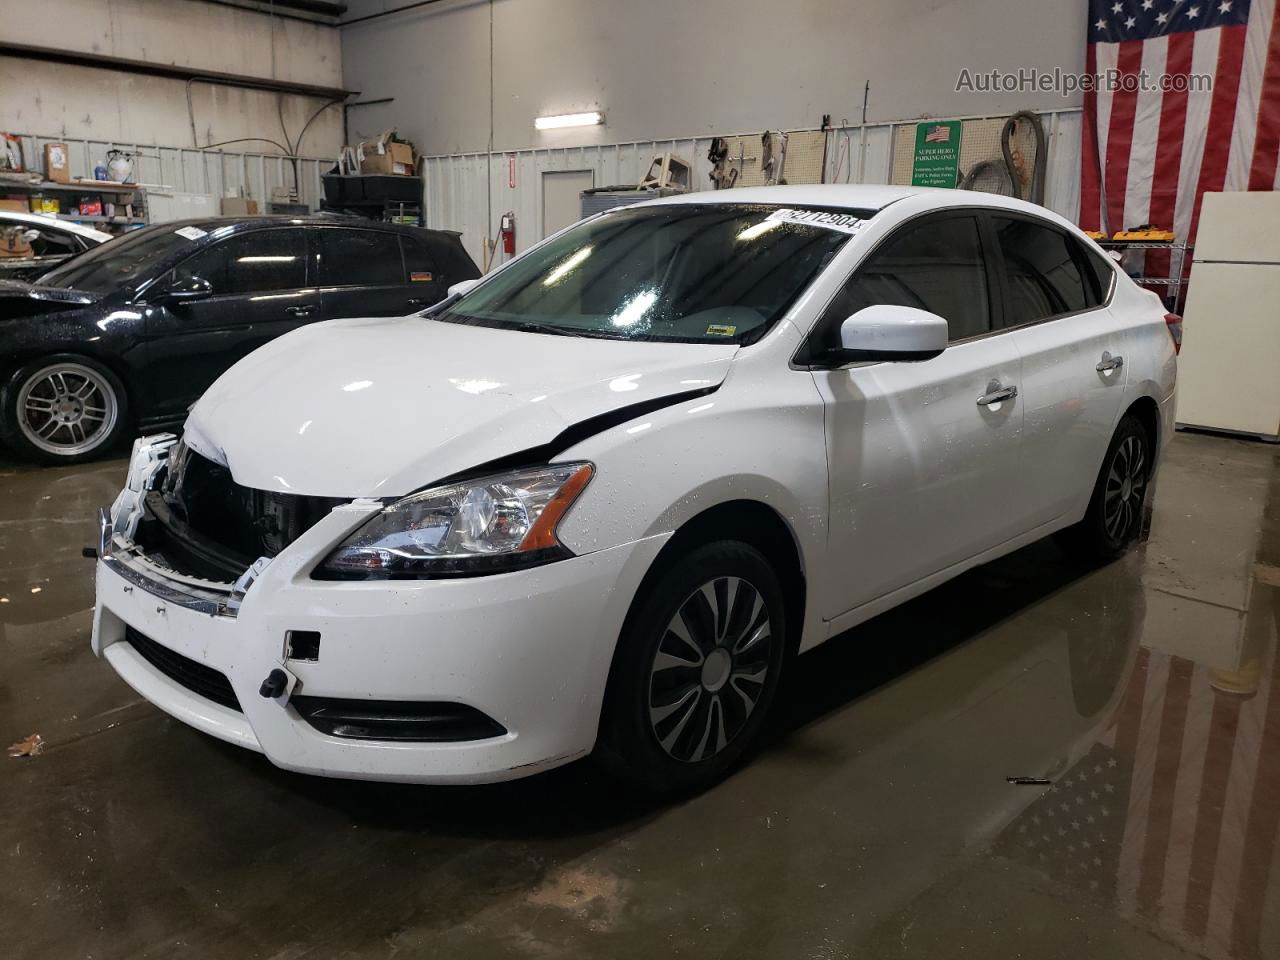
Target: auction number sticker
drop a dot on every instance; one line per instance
(844, 222)
(191, 233)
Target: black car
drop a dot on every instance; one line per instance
(132, 332)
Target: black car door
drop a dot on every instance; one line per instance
(222, 303)
(362, 274)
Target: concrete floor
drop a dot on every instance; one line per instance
(877, 823)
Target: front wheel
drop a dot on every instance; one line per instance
(696, 670)
(63, 410)
(1114, 519)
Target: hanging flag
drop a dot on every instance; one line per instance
(1188, 101)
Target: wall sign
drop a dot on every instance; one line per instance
(937, 157)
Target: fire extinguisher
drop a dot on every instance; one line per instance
(507, 227)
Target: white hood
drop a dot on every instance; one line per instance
(382, 407)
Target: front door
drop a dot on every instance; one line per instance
(923, 457)
(259, 290)
(562, 198)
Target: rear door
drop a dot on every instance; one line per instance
(362, 274)
(1073, 351)
(259, 290)
(922, 461)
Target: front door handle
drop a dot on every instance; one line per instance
(304, 310)
(1108, 362)
(996, 393)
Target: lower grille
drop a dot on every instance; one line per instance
(199, 679)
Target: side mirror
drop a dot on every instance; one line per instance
(186, 290)
(885, 332)
(464, 287)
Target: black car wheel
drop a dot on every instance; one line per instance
(1114, 519)
(696, 670)
(63, 409)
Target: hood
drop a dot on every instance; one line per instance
(382, 407)
(19, 299)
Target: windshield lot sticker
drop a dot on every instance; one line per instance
(844, 222)
(191, 233)
(721, 330)
(420, 276)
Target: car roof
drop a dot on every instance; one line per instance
(210, 224)
(48, 220)
(854, 196)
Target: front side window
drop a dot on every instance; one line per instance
(124, 262)
(1042, 272)
(695, 273)
(256, 262)
(932, 264)
(359, 258)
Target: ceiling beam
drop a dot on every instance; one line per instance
(170, 70)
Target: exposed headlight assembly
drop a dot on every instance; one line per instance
(488, 525)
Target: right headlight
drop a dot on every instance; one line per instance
(488, 525)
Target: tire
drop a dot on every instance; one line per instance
(691, 684)
(63, 409)
(1114, 519)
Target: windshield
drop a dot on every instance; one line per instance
(126, 260)
(680, 272)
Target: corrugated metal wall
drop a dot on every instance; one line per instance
(214, 173)
(457, 198)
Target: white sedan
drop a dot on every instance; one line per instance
(32, 243)
(597, 500)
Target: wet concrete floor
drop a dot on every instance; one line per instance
(878, 822)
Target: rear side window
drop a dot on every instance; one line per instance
(359, 258)
(256, 262)
(1098, 274)
(933, 264)
(1042, 270)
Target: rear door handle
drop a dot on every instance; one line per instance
(996, 393)
(304, 310)
(1108, 362)
(417, 302)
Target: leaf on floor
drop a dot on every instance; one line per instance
(28, 747)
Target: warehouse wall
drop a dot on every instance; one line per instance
(665, 68)
(54, 100)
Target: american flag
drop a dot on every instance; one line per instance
(1149, 155)
(938, 134)
(1173, 815)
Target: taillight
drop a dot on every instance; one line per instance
(1174, 323)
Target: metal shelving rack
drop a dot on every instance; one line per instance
(1179, 259)
(14, 185)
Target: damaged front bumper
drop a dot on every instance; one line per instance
(529, 650)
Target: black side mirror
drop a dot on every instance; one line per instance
(186, 290)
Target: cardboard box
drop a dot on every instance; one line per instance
(239, 207)
(57, 163)
(17, 206)
(382, 154)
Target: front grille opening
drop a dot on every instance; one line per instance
(402, 720)
(202, 680)
(204, 524)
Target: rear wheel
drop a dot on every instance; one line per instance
(697, 668)
(63, 409)
(1114, 519)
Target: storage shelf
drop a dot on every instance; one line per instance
(48, 186)
(96, 218)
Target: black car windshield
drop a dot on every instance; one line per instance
(125, 261)
(693, 273)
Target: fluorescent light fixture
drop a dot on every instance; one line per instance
(569, 120)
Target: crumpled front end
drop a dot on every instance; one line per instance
(456, 680)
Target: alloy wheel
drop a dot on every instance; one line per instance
(67, 409)
(710, 669)
(1125, 487)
